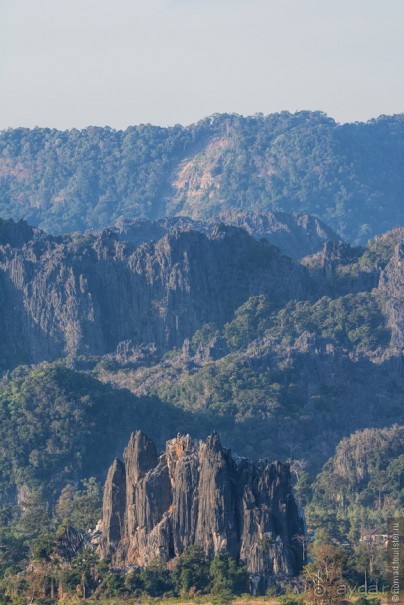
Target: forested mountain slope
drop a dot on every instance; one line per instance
(362, 485)
(349, 175)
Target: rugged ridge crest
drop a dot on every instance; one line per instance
(296, 235)
(89, 294)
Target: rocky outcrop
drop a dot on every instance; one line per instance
(114, 503)
(199, 493)
(297, 235)
(96, 294)
(334, 254)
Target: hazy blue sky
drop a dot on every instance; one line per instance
(66, 63)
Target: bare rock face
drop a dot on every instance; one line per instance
(297, 234)
(114, 505)
(324, 268)
(199, 493)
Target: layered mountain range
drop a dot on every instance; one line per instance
(266, 327)
(194, 326)
(189, 281)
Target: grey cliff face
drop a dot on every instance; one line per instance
(114, 504)
(297, 234)
(199, 493)
(73, 297)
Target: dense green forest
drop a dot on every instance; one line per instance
(59, 426)
(362, 485)
(349, 175)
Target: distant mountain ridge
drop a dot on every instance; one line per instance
(296, 235)
(350, 176)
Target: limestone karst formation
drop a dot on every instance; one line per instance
(198, 492)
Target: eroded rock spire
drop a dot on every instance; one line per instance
(197, 492)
